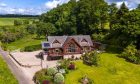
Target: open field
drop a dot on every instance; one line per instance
(6, 77)
(10, 21)
(112, 70)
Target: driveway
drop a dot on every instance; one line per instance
(18, 73)
(30, 59)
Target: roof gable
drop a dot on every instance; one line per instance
(56, 41)
(84, 40)
(80, 39)
(69, 40)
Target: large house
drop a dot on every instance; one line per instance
(64, 46)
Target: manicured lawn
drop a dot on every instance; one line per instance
(6, 77)
(26, 41)
(112, 70)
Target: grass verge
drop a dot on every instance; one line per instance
(6, 77)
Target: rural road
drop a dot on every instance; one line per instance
(20, 76)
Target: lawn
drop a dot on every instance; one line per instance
(6, 77)
(112, 70)
(26, 41)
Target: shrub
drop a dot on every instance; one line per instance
(131, 54)
(46, 79)
(71, 66)
(85, 80)
(32, 48)
(4, 46)
(91, 58)
(64, 63)
(51, 71)
(40, 75)
(59, 78)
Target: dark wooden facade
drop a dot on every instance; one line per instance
(70, 47)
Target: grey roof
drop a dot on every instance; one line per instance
(62, 39)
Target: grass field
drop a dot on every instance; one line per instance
(26, 41)
(6, 77)
(112, 70)
(10, 21)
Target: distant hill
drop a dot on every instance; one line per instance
(16, 15)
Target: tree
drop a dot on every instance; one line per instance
(17, 22)
(138, 7)
(91, 58)
(131, 54)
(45, 29)
(31, 28)
(120, 28)
(26, 22)
(112, 13)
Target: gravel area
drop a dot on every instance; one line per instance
(29, 58)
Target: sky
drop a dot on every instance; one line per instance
(37, 7)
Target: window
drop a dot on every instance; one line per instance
(57, 51)
(56, 41)
(84, 40)
(72, 48)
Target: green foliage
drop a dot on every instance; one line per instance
(59, 78)
(98, 37)
(28, 40)
(91, 58)
(17, 22)
(26, 22)
(4, 46)
(114, 49)
(31, 28)
(125, 27)
(32, 48)
(64, 63)
(11, 33)
(6, 77)
(78, 17)
(51, 71)
(45, 29)
(131, 54)
(41, 76)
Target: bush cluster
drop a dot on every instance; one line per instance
(131, 54)
(32, 48)
(48, 76)
(67, 64)
(59, 78)
(71, 66)
(91, 58)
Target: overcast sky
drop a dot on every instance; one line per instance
(35, 7)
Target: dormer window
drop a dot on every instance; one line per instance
(56, 41)
(84, 40)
